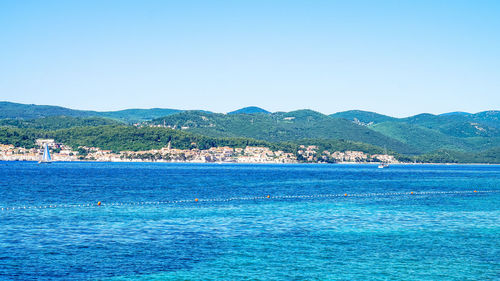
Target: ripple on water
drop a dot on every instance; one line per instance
(419, 237)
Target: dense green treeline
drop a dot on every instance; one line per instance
(123, 137)
(451, 137)
(491, 156)
(279, 127)
(19, 137)
(416, 135)
(120, 138)
(424, 138)
(427, 140)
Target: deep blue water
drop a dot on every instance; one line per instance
(395, 237)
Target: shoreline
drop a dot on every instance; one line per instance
(257, 163)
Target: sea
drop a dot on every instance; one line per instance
(173, 221)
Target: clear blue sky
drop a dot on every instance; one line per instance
(393, 57)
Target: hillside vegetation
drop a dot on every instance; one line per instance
(453, 137)
(10, 110)
(279, 127)
(122, 137)
(137, 115)
(364, 117)
(58, 122)
(250, 110)
(30, 111)
(461, 132)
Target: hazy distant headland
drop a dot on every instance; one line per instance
(250, 134)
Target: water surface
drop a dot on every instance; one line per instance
(450, 236)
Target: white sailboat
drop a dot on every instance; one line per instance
(46, 155)
(384, 164)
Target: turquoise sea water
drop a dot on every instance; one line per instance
(383, 236)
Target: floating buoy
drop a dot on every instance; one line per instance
(99, 203)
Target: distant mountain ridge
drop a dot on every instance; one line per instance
(490, 116)
(31, 111)
(279, 127)
(417, 134)
(250, 110)
(455, 113)
(58, 122)
(363, 117)
(10, 110)
(138, 115)
(453, 133)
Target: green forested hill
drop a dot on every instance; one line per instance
(429, 132)
(123, 137)
(490, 118)
(455, 113)
(277, 127)
(453, 137)
(473, 125)
(427, 140)
(420, 134)
(31, 111)
(133, 138)
(365, 117)
(10, 110)
(58, 122)
(138, 115)
(119, 138)
(249, 110)
(450, 156)
(486, 124)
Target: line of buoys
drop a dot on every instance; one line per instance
(312, 196)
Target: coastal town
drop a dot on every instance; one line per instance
(249, 154)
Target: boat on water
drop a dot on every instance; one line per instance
(384, 164)
(46, 159)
